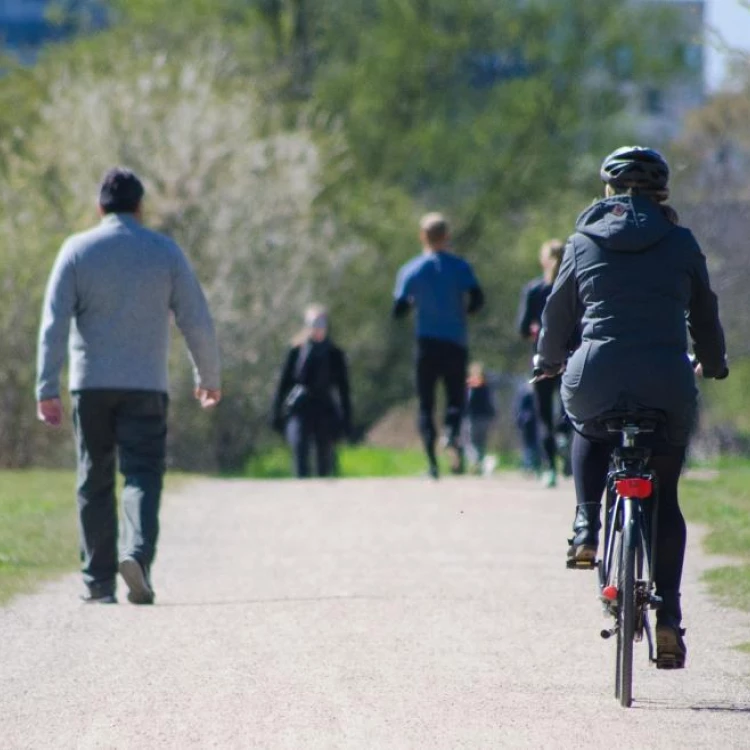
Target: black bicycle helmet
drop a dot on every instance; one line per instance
(636, 167)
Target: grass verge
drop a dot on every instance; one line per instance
(354, 461)
(38, 536)
(723, 505)
(358, 461)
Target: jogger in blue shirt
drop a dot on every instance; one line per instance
(443, 289)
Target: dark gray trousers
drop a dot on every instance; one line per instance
(304, 432)
(479, 430)
(129, 426)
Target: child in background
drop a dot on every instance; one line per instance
(480, 413)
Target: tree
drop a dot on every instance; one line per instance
(241, 203)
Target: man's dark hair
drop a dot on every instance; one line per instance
(121, 192)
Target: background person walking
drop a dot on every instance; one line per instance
(480, 413)
(312, 405)
(443, 289)
(118, 284)
(546, 392)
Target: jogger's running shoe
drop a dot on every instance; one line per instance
(140, 591)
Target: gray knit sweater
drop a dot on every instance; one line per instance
(109, 300)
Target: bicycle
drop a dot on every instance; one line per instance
(626, 582)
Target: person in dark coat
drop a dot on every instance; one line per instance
(312, 405)
(549, 416)
(635, 276)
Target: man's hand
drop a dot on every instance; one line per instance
(208, 397)
(50, 411)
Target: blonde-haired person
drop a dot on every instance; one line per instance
(546, 392)
(634, 277)
(443, 290)
(312, 405)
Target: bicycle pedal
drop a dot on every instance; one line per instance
(581, 564)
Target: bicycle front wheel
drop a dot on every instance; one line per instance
(626, 614)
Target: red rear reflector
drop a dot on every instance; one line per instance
(610, 593)
(636, 488)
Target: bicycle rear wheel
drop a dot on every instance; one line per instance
(626, 614)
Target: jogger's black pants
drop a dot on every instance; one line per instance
(447, 362)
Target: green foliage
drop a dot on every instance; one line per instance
(289, 146)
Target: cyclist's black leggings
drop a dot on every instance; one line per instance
(440, 360)
(590, 466)
(546, 392)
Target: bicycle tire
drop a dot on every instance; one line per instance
(627, 611)
(613, 579)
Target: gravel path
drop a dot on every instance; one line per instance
(361, 615)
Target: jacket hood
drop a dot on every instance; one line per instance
(625, 223)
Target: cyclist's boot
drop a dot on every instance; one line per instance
(585, 541)
(670, 647)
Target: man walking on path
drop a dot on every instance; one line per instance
(443, 289)
(118, 284)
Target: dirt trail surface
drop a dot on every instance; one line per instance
(361, 615)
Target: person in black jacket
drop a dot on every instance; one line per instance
(636, 277)
(312, 404)
(547, 391)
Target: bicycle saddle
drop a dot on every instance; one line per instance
(644, 421)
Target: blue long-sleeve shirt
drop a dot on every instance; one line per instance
(437, 284)
(109, 301)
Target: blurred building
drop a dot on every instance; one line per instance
(659, 109)
(26, 25)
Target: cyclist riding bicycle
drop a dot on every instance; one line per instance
(633, 277)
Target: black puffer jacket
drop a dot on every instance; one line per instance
(322, 369)
(633, 278)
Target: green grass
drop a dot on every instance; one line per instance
(354, 461)
(723, 505)
(38, 537)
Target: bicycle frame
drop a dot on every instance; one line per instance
(626, 583)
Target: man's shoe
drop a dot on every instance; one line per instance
(140, 591)
(549, 479)
(670, 648)
(93, 597)
(432, 471)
